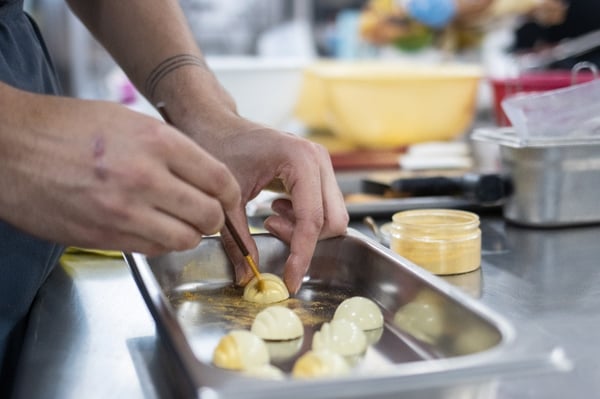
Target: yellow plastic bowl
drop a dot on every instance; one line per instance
(385, 104)
(311, 107)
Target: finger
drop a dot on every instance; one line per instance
(280, 227)
(334, 208)
(188, 204)
(308, 211)
(296, 266)
(117, 241)
(158, 227)
(335, 216)
(192, 164)
(141, 233)
(243, 272)
(132, 243)
(283, 207)
(302, 232)
(298, 261)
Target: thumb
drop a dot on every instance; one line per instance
(243, 272)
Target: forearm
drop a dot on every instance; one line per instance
(12, 148)
(151, 41)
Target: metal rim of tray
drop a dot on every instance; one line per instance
(410, 375)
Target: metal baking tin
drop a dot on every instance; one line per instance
(194, 303)
(554, 183)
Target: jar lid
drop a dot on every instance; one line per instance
(443, 241)
(436, 218)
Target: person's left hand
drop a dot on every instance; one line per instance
(256, 155)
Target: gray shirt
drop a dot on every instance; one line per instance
(25, 261)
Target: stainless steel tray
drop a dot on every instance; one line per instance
(462, 348)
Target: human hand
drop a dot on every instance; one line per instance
(315, 209)
(95, 174)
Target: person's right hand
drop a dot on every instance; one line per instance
(95, 174)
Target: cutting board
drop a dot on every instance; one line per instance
(347, 156)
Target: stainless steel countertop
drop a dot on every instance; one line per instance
(92, 336)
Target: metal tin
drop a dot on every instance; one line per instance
(552, 184)
(192, 299)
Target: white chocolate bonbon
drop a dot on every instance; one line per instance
(277, 323)
(280, 351)
(361, 311)
(272, 289)
(340, 336)
(240, 350)
(424, 321)
(323, 363)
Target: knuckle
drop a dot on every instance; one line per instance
(221, 175)
(151, 248)
(321, 150)
(183, 200)
(187, 239)
(156, 137)
(114, 208)
(339, 225)
(212, 221)
(344, 223)
(314, 153)
(315, 150)
(154, 250)
(315, 221)
(225, 183)
(139, 179)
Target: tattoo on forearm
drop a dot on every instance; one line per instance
(168, 66)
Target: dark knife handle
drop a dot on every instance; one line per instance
(482, 188)
(428, 186)
(486, 188)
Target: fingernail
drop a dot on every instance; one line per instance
(293, 288)
(240, 279)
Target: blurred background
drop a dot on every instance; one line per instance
(368, 72)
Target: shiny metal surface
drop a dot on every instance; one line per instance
(84, 334)
(429, 331)
(91, 334)
(553, 186)
(554, 181)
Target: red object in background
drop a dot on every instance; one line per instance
(532, 82)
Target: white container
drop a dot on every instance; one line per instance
(264, 89)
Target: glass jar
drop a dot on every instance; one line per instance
(443, 241)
